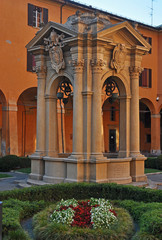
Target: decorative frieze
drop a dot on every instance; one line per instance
(77, 64)
(97, 64)
(118, 58)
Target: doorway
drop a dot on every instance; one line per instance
(112, 140)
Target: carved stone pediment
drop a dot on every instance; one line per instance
(123, 33)
(118, 58)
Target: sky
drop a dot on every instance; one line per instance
(138, 10)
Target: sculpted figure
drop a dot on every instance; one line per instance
(54, 46)
(119, 56)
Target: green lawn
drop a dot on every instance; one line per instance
(24, 170)
(3, 175)
(150, 170)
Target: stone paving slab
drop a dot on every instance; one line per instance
(20, 180)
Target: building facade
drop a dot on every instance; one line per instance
(18, 91)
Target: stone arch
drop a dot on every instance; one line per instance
(120, 80)
(149, 104)
(53, 82)
(26, 121)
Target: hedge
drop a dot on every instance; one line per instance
(10, 162)
(154, 162)
(148, 216)
(110, 191)
(13, 212)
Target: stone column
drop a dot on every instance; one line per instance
(75, 164)
(51, 126)
(137, 163)
(155, 134)
(13, 131)
(37, 164)
(98, 167)
(97, 141)
(77, 109)
(124, 129)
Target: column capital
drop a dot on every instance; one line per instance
(40, 69)
(97, 64)
(50, 97)
(77, 64)
(155, 115)
(135, 71)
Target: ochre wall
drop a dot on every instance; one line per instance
(14, 79)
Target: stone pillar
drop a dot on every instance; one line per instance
(77, 109)
(5, 147)
(155, 134)
(124, 129)
(13, 131)
(37, 164)
(75, 164)
(97, 141)
(137, 163)
(98, 164)
(51, 126)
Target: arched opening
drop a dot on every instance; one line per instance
(145, 128)
(4, 131)
(27, 111)
(110, 111)
(65, 116)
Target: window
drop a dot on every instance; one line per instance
(37, 15)
(145, 79)
(30, 62)
(149, 40)
(112, 114)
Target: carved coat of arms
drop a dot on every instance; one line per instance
(119, 56)
(54, 46)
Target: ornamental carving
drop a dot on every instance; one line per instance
(77, 63)
(135, 70)
(97, 63)
(54, 45)
(119, 56)
(40, 69)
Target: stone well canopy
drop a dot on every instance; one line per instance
(91, 54)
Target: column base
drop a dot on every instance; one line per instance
(137, 168)
(156, 152)
(37, 166)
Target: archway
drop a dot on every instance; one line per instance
(62, 89)
(27, 110)
(4, 131)
(145, 128)
(115, 118)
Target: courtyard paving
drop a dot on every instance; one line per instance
(19, 180)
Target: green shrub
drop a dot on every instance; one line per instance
(151, 222)
(159, 162)
(110, 191)
(13, 212)
(10, 162)
(154, 162)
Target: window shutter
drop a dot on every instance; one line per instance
(150, 78)
(29, 61)
(45, 15)
(30, 14)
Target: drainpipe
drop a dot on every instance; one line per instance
(61, 11)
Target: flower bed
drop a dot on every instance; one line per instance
(90, 219)
(93, 213)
